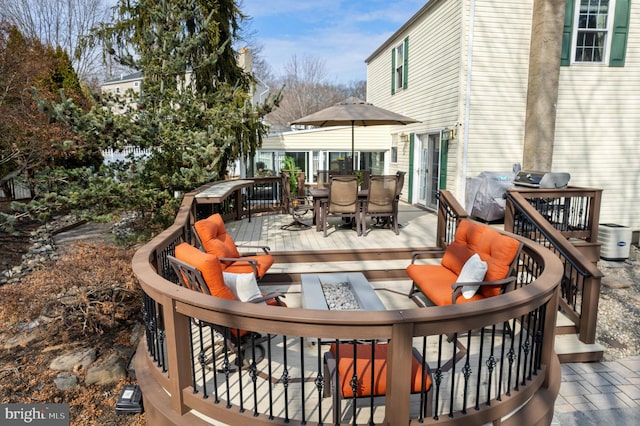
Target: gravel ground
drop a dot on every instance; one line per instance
(619, 307)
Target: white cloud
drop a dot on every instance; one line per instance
(339, 32)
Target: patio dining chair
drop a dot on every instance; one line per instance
(381, 202)
(342, 201)
(298, 205)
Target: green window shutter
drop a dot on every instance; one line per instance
(620, 31)
(567, 33)
(405, 69)
(444, 161)
(393, 71)
(412, 138)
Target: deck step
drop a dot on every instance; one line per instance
(570, 349)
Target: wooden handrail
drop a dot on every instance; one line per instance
(172, 313)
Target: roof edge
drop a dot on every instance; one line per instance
(400, 30)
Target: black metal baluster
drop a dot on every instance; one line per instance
(354, 383)
(466, 372)
(214, 364)
(225, 364)
(302, 377)
(319, 382)
(511, 355)
(285, 380)
(505, 326)
(454, 342)
(423, 382)
(201, 360)
(491, 364)
(253, 373)
(520, 347)
(373, 370)
(437, 377)
(240, 364)
(270, 379)
(479, 374)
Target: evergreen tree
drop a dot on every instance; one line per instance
(193, 116)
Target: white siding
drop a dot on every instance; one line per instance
(598, 131)
(432, 96)
(500, 61)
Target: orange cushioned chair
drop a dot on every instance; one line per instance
(214, 239)
(439, 282)
(202, 272)
(368, 358)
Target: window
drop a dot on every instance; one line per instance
(595, 31)
(400, 66)
(591, 30)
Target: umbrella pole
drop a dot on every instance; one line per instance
(353, 159)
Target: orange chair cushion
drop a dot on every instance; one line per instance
(498, 251)
(434, 281)
(364, 368)
(467, 241)
(209, 266)
(216, 241)
(213, 234)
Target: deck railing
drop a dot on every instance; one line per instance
(490, 360)
(551, 218)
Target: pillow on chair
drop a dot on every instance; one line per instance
(473, 271)
(243, 286)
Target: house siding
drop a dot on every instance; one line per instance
(432, 95)
(438, 61)
(597, 136)
(500, 61)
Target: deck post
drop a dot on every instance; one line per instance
(399, 375)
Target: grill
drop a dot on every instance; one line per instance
(542, 179)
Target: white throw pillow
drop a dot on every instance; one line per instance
(473, 271)
(243, 286)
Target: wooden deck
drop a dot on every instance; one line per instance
(381, 255)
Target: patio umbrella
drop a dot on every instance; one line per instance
(355, 112)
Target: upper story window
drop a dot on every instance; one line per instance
(595, 31)
(400, 66)
(592, 31)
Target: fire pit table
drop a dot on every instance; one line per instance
(339, 291)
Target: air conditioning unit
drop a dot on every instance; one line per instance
(615, 240)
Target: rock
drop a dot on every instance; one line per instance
(66, 381)
(70, 360)
(111, 371)
(616, 282)
(22, 339)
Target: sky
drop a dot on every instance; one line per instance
(340, 33)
